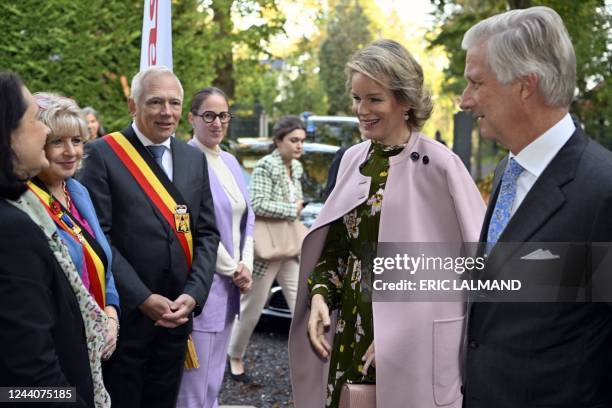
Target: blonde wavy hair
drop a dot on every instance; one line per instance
(392, 66)
(62, 115)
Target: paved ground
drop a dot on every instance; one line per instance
(267, 364)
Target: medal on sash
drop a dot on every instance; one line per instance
(62, 217)
(181, 219)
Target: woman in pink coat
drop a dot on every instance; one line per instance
(399, 186)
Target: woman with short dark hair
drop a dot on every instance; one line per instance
(276, 192)
(52, 329)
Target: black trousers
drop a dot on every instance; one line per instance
(146, 368)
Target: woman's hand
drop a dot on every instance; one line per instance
(112, 332)
(242, 278)
(318, 324)
(368, 359)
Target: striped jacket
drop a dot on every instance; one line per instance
(270, 193)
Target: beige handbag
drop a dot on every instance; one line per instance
(277, 239)
(358, 396)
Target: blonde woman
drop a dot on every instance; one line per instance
(397, 186)
(70, 206)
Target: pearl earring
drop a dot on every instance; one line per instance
(407, 115)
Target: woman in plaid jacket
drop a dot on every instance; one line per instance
(276, 192)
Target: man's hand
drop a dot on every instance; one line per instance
(155, 306)
(242, 278)
(179, 312)
(318, 324)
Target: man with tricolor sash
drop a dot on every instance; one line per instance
(152, 196)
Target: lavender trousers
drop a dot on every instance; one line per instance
(200, 386)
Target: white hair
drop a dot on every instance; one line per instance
(155, 70)
(533, 40)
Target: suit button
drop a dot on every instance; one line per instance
(473, 344)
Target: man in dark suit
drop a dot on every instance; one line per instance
(555, 187)
(152, 196)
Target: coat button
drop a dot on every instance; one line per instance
(414, 156)
(473, 344)
(425, 160)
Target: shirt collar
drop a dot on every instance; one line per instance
(536, 156)
(145, 140)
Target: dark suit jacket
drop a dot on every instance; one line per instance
(42, 337)
(332, 174)
(147, 256)
(522, 355)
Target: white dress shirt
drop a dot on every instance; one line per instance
(537, 155)
(166, 157)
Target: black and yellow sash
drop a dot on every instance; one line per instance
(93, 254)
(157, 186)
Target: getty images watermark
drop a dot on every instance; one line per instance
(511, 272)
(431, 264)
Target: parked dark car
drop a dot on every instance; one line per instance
(316, 160)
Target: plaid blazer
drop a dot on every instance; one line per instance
(270, 193)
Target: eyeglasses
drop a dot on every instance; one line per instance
(210, 116)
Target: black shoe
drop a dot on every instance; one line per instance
(243, 377)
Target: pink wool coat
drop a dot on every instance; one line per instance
(417, 344)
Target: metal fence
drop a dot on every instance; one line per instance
(246, 122)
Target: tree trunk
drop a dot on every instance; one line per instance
(224, 67)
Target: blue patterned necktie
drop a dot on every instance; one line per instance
(503, 206)
(157, 152)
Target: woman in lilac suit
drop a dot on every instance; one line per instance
(209, 115)
(398, 186)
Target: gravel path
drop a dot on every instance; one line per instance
(267, 363)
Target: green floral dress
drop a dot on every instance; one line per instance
(342, 277)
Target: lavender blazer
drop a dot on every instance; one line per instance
(417, 344)
(223, 301)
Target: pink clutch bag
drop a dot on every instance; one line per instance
(358, 396)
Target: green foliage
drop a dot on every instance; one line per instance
(76, 48)
(588, 23)
(258, 85)
(303, 90)
(348, 29)
(246, 46)
(90, 49)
